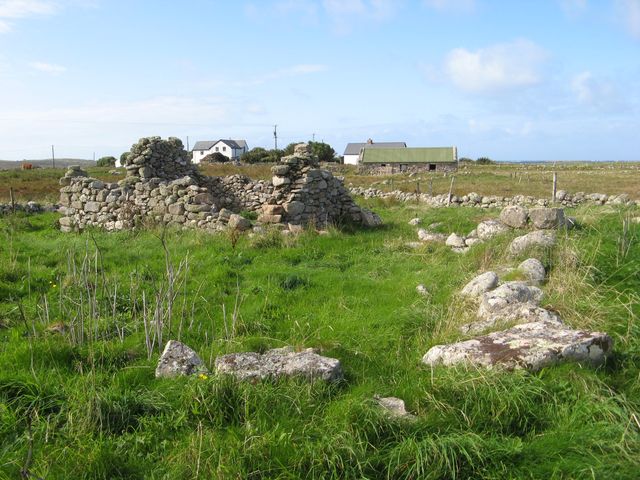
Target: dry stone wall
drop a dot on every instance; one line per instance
(163, 186)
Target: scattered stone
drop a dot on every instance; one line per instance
(514, 216)
(178, 359)
(422, 290)
(460, 249)
(470, 242)
(280, 362)
(533, 270)
(237, 222)
(507, 295)
(490, 228)
(370, 219)
(426, 236)
(415, 221)
(537, 238)
(547, 218)
(394, 407)
(455, 240)
(480, 284)
(531, 346)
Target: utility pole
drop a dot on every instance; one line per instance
(275, 135)
(53, 157)
(314, 137)
(94, 156)
(187, 143)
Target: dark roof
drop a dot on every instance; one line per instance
(410, 155)
(354, 148)
(206, 145)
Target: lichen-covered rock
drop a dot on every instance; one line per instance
(514, 216)
(455, 240)
(178, 359)
(280, 362)
(490, 228)
(531, 346)
(422, 290)
(533, 270)
(537, 238)
(370, 219)
(415, 221)
(480, 284)
(547, 218)
(427, 236)
(237, 222)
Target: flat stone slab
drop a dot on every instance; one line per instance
(280, 362)
(394, 407)
(177, 359)
(530, 346)
(537, 238)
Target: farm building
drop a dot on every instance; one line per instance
(353, 152)
(232, 149)
(395, 160)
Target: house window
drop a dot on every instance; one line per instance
(224, 149)
(432, 167)
(217, 149)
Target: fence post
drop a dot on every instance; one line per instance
(450, 190)
(431, 187)
(13, 200)
(555, 187)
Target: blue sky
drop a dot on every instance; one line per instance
(512, 80)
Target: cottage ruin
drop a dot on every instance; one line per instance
(163, 186)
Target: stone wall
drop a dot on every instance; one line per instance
(163, 186)
(495, 201)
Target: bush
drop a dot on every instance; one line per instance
(106, 162)
(216, 157)
(261, 155)
(484, 161)
(123, 158)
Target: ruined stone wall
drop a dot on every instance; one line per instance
(169, 189)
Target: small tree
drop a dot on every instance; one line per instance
(106, 162)
(323, 151)
(123, 158)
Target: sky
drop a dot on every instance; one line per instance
(513, 80)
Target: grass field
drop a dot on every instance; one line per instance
(498, 179)
(86, 404)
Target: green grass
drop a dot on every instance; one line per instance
(88, 406)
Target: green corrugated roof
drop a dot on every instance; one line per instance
(409, 155)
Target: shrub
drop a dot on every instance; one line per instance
(484, 161)
(106, 162)
(216, 157)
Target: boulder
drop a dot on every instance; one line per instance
(537, 238)
(280, 362)
(422, 290)
(454, 240)
(547, 218)
(415, 221)
(533, 270)
(178, 359)
(531, 346)
(480, 284)
(514, 216)
(490, 228)
(506, 295)
(516, 313)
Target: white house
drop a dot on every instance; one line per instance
(353, 152)
(232, 149)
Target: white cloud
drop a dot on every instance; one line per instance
(597, 93)
(11, 10)
(288, 72)
(49, 68)
(452, 5)
(629, 14)
(495, 68)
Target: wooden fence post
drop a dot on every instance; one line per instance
(450, 190)
(555, 187)
(431, 187)
(13, 200)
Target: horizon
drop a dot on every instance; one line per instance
(554, 80)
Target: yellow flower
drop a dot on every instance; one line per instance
(203, 376)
